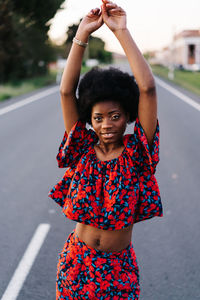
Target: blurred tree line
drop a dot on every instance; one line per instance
(25, 48)
(95, 49)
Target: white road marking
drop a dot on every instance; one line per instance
(24, 266)
(178, 94)
(28, 100)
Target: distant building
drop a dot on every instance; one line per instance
(162, 57)
(183, 52)
(186, 49)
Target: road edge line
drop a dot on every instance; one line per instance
(28, 100)
(27, 260)
(180, 95)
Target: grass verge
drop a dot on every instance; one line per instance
(186, 79)
(20, 87)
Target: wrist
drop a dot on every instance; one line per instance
(82, 36)
(118, 32)
(79, 42)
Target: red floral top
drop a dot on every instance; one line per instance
(110, 194)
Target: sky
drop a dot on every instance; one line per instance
(152, 23)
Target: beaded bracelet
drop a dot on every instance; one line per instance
(80, 43)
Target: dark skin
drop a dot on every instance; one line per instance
(109, 122)
(114, 17)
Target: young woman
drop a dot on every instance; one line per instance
(109, 183)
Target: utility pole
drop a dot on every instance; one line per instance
(172, 54)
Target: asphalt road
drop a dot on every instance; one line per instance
(167, 248)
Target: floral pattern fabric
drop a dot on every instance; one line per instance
(87, 273)
(111, 194)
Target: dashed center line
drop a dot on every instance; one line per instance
(24, 266)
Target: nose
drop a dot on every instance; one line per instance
(106, 124)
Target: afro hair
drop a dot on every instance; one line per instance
(110, 84)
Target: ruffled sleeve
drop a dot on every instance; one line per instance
(72, 147)
(148, 159)
(149, 204)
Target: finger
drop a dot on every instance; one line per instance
(107, 1)
(103, 8)
(114, 10)
(118, 9)
(111, 5)
(100, 20)
(99, 13)
(95, 11)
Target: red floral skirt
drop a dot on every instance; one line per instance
(87, 273)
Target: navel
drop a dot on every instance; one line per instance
(97, 242)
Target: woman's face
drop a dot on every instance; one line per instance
(109, 121)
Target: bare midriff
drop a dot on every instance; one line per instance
(104, 240)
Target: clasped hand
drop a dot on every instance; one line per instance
(110, 14)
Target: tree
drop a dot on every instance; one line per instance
(97, 50)
(38, 12)
(26, 49)
(6, 36)
(96, 47)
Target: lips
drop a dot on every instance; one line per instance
(108, 134)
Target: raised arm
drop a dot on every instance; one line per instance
(91, 22)
(115, 18)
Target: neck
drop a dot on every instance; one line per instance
(109, 148)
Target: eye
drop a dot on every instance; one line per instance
(98, 119)
(115, 117)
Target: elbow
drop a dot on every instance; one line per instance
(66, 93)
(149, 87)
(67, 89)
